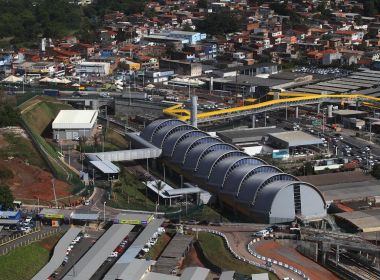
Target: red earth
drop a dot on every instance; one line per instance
(291, 256)
(31, 182)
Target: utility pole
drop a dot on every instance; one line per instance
(104, 211)
(55, 196)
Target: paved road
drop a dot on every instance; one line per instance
(21, 241)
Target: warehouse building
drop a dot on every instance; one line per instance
(72, 124)
(244, 184)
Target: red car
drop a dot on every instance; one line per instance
(119, 249)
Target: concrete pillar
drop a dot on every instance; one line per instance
(318, 108)
(297, 112)
(329, 111)
(253, 121)
(276, 95)
(337, 255)
(194, 110)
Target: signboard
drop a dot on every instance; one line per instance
(130, 222)
(54, 216)
(280, 154)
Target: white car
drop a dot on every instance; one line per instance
(161, 230)
(114, 255)
(26, 229)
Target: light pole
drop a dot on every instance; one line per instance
(104, 211)
(55, 196)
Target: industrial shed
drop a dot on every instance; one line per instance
(242, 183)
(72, 124)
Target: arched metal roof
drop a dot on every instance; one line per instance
(173, 140)
(156, 125)
(254, 184)
(161, 135)
(209, 161)
(272, 189)
(194, 155)
(240, 174)
(244, 161)
(217, 175)
(181, 150)
(250, 182)
(216, 147)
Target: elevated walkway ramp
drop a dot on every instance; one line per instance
(146, 150)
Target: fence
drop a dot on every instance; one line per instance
(34, 236)
(252, 251)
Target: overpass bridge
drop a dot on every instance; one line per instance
(280, 101)
(93, 101)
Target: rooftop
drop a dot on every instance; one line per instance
(295, 138)
(75, 119)
(348, 112)
(366, 221)
(247, 135)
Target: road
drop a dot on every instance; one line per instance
(21, 241)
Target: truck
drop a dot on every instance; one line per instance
(137, 95)
(51, 92)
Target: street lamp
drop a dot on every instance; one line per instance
(104, 211)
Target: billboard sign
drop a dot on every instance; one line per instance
(280, 154)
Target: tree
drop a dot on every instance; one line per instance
(6, 197)
(159, 186)
(376, 171)
(219, 23)
(202, 4)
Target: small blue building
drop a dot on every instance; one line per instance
(9, 217)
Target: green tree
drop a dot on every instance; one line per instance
(6, 197)
(219, 23)
(202, 4)
(159, 186)
(376, 171)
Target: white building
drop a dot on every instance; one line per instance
(93, 68)
(72, 124)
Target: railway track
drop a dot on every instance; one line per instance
(354, 268)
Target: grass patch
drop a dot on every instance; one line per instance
(129, 193)
(21, 147)
(157, 249)
(206, 213)
(116, 139)
(42, 114)
(24, 262)
(215, 251)
(36, 115)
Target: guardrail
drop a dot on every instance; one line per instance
(34, 236)
(273, 261)
(234, 253)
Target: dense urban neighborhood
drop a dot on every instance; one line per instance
(189, 140)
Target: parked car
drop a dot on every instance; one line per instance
(262, 233)
(114, 255)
